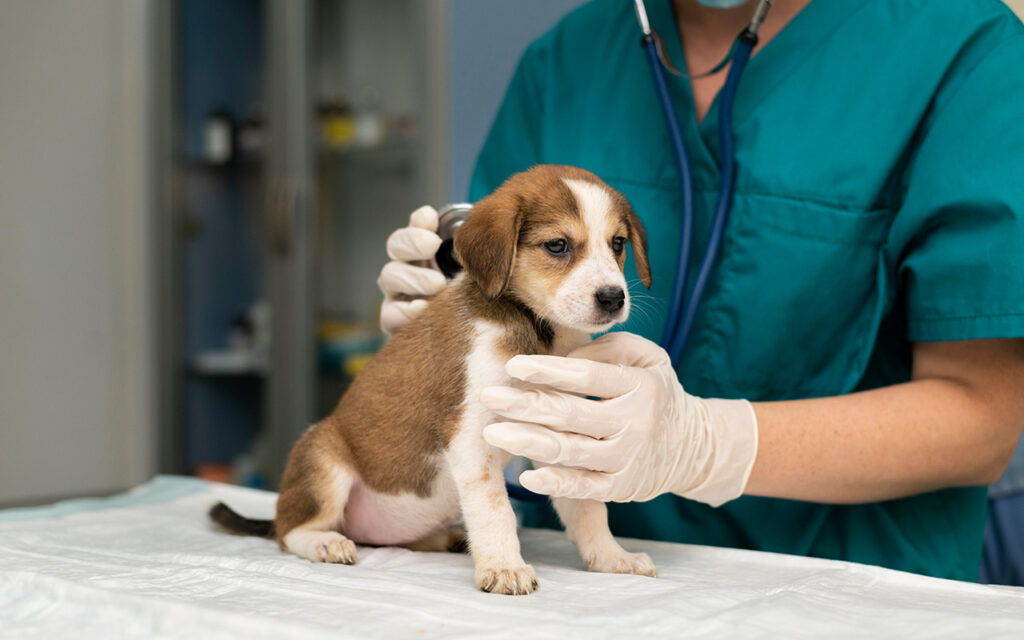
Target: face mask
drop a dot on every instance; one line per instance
(721, 4)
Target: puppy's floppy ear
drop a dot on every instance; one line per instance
(638, 241)
(486, 242)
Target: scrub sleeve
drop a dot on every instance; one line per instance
(908, 225)
(958, 240)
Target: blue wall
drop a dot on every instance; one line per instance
(487, 39)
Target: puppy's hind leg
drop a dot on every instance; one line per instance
(310, 513)
(451, 539)
(586, 522)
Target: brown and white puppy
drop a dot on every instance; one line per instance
(402, 458)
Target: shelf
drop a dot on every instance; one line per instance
(230, 363)
(243, 162)
(404, 146)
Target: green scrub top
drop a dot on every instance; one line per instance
(879, 202)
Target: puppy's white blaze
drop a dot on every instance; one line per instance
(594, 203)
(575, 303)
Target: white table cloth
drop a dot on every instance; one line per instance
(148, 564)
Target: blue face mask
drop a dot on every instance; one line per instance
(722, 4)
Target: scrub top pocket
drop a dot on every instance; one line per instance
(795, 301)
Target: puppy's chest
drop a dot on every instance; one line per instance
(485, 365)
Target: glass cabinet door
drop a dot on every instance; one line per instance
(378, 70)
(355, 126)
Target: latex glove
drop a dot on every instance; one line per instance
(406, 285)
(646, 437)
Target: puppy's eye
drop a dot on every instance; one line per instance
(556, 247)
(618, 243)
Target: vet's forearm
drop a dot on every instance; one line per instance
(882, 444)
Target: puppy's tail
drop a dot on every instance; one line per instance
(231, 522)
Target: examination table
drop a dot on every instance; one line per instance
(148, 564)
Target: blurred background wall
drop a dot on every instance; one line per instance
(76, 331)
(487, 38)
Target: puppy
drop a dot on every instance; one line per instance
(402, 457)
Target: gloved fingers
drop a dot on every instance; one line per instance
(412, 243)
(394, 314)
(622, 347)
(576, 375)
(424, 218)
(540, 444)
(560, 482)
(559, 411)
(403, 279)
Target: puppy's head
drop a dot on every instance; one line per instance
(554, 237)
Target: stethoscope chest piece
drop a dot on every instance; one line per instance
(450, 218)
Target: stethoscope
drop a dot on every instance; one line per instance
(681, 314)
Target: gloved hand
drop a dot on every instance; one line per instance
(406, 285)
(646, 437)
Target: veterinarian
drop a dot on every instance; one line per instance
(862, 328)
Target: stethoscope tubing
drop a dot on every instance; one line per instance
(682, 310)
(680, 335)
(685, 188)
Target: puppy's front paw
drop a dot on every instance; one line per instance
(337, 549)
(510, 581)
(636, 563)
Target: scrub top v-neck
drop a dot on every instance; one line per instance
(878, 202)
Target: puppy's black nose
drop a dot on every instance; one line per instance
(610, 299)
